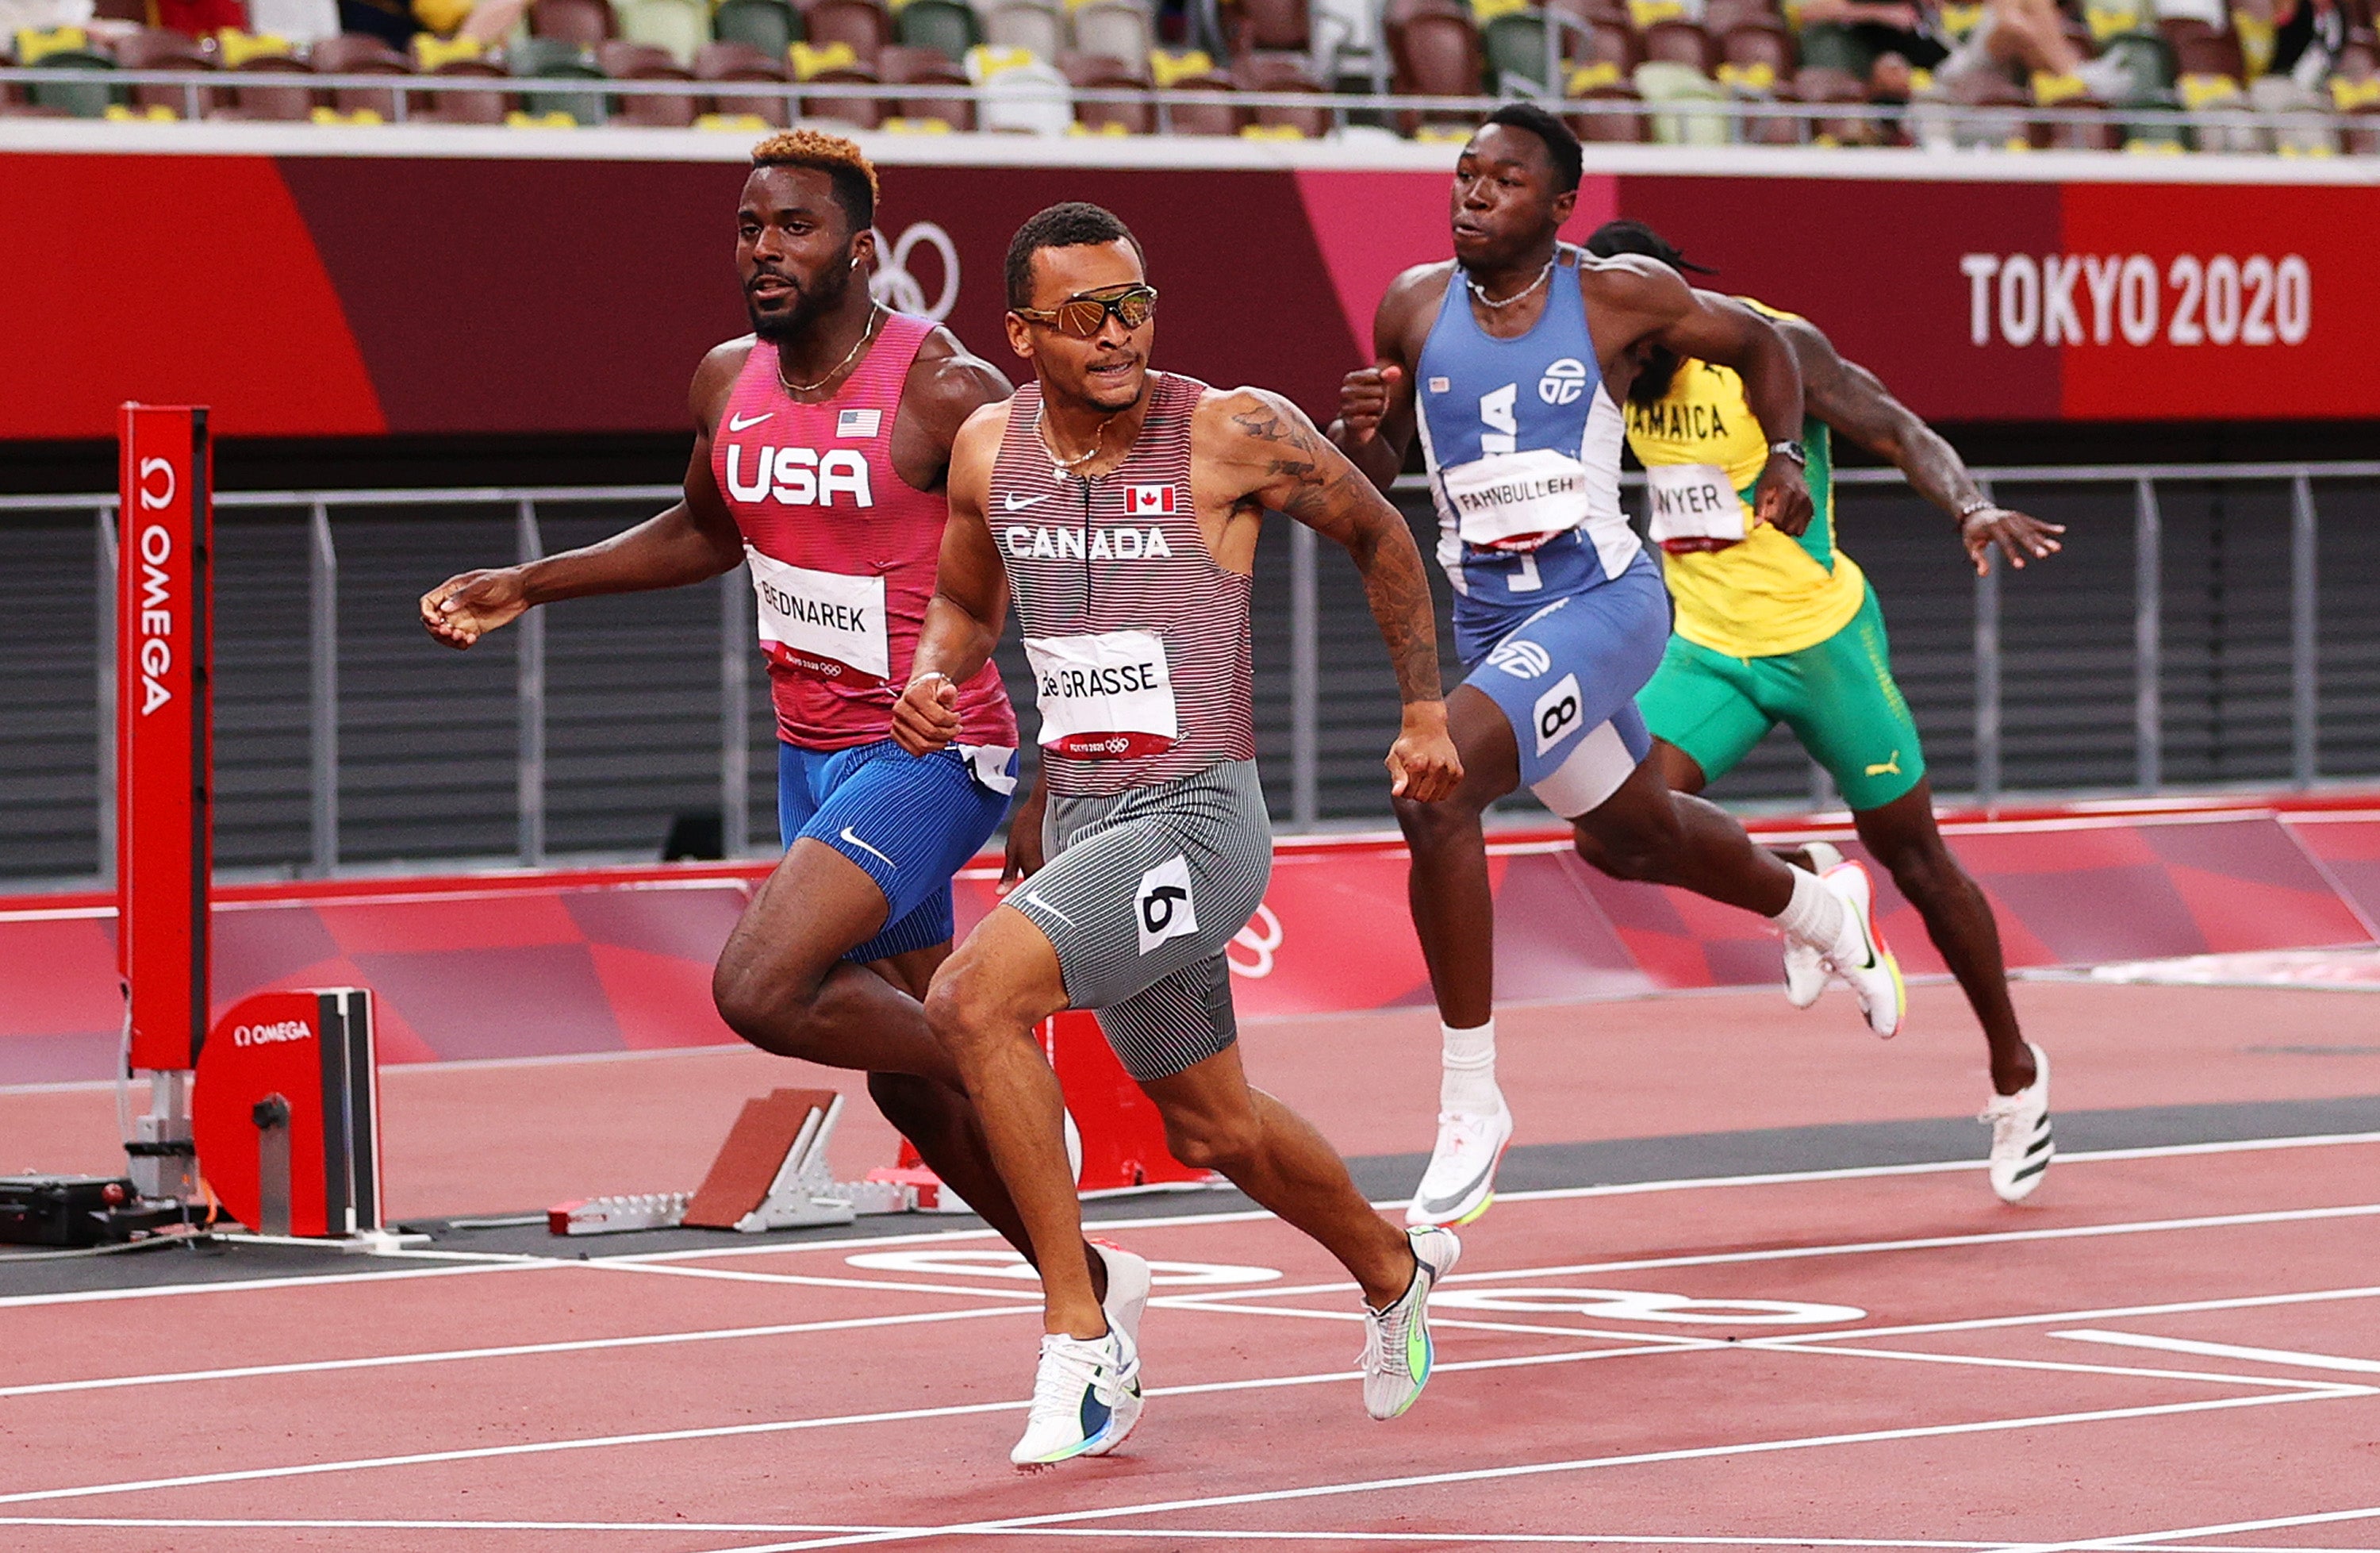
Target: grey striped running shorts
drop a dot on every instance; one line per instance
(1141, 892)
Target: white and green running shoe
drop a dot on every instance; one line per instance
(1086, 1398)
(1805, 964)
(1397, 1352)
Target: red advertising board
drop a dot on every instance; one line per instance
(2082, 291)
(164, 722)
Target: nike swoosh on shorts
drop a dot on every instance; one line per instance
(866, 848)
(1033, 897)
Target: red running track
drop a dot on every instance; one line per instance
(2174, 1348)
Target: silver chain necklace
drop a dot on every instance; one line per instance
(1487, 301)
(875, 311)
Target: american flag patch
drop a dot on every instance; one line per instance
(1141, 500)
(857, 423)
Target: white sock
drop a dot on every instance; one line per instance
(1814, 915)
(1467, 1082)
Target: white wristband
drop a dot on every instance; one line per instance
(933, 674)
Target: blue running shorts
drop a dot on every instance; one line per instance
(1567, 676)
(910, 821)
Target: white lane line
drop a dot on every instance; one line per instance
(162, 1522)
(580, 1345)
(2228, 1350)
(1989, 1361)
(1841, 1248)
(786, 1425)
(813, 1281)
(1978, 1323)
(1539, 1469)
(1438, 1323)
(1173, 1220)
(1566, 1193)
(239, 1285)
(2323, 1518)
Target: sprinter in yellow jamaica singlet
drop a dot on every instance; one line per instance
(1774, 628)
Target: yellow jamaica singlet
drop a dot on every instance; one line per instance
(1766, 593)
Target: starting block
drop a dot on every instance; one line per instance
(285, 1114)
(771, 1174)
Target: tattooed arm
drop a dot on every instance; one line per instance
(1253, 451)
(1852, 400)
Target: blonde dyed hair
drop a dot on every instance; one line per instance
(846, 166)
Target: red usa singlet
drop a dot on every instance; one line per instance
(842, 550)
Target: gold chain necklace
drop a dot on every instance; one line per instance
(875, 311)
(1041, 433)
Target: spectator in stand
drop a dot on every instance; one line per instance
(1900, 36)
(391, 21)
(2030, 35)
(2308, 37)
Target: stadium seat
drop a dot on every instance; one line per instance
(2148, 59)
(769, 26)
(1663, 82)
(624, 60)
(1749, 44)
(357, 54)
(866, 25)
(1119, 28)
(1035, 26)
(1094, 72)
(262, 90)
(730, 59)
(1519, 48)
(1284, 73)
(1435, 48)
(858, 113)
(462, 106)
(1600, 81)
(154, 48)
(1589, 13)
(1203, 119)
(1678, 42)
(1029, 98)
(1984, 88)
(1832, 46)
(1346, 36)
(71, 99)
(554, 59)
(2218, 113)
(679, 26)
(2208, 53)
(2101, 132)
(948, 26)
(902, 65)
(1777, 129)
(1270, 27)
(1721, 16)
(1817, 85)
(582, 23)
(1613, 43)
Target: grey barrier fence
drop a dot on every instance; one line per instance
(456, 762)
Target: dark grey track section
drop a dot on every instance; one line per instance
(1527, 1168)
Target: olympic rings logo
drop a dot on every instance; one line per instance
(895, 288)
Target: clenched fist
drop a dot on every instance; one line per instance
(462, 609)
(1365, 396)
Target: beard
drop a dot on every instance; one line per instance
(811, 303)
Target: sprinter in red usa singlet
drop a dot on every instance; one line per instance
(823, 448)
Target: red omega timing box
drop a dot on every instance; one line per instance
(285, 1110)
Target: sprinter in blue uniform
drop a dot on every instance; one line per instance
(1512, 361)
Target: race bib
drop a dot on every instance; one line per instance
(1517, 501)
(1695, 508)
(1103, 697)
(821, 623)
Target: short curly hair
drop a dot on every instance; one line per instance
(846, 167)
(1071, 225)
